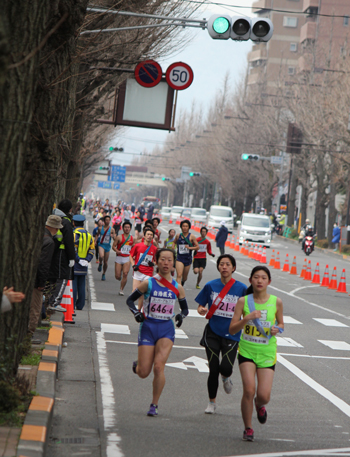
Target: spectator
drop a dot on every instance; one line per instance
(142, 210)
(336, 236)
(221, 237)
(53, 224)
(150, 211)
(133, 208)
(9, 296)
(84, 252)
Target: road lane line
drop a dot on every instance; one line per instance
(175, 346)
(328, 395)
(314, 356)
(318, 452)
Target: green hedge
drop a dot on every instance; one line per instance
(322, 244)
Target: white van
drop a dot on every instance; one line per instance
(255, 228)
(219, 213)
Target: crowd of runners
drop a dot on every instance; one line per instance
(241, 320)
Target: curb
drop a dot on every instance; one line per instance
(34, 437)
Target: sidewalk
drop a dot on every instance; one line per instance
(8, 441)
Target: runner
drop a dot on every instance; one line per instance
(142, 257)
(96, 236)
(155, 223)
(221, 296)
(106, 234)
(138, 224)
(185, 243)
(122, 246)
(200, 257)
(157, 331)
(117, 221)
(258, 345)
(170, 241)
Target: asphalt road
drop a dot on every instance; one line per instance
(310, 403)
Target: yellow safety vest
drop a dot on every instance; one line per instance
(82, 205)
(84, 242)
(59, 235)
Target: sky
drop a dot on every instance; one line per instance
(210, 61)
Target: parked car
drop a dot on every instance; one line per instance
(256, 228)
(165, 213)
(176, 212)
(221, 213)
(199, 215)
(186, 213)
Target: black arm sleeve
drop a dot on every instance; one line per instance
(183, 306)
(131, 299)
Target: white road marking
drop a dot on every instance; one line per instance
(301, 288)
(102, 306)
(317, 452)
(340, 404)
(315, 356)
(290, 320)
(197, 348)
(287, 342)
(198, 364)
(193, 313)
(330, 322)
(336, 345)
(115, 328)
(180, 334)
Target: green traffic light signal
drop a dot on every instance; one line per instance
(111, 148)
(163, 179)
(191, 174)
(245, 156)
(221, 25)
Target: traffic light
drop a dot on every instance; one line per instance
(250, 157)
(111, 148)
(223, 27)
(194, 173)
(103, 168)
(165, 179)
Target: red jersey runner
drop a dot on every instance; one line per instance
(125, 246)
(137, 251)
(204, 248)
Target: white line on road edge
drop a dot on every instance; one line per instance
(108, 402)
(319, 452)
(175, 346)
(340, 404)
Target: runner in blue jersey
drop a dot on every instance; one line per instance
(157, 331)
(217, 301)
(185, 244)
(106, 234)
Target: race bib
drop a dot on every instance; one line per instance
(183, 249)
(126, 249)
(225, 309)
(148, 258)
(161, 308)
(252, 334)
(106, 239)
(202, 248)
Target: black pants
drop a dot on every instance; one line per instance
(222, 251)
(214, 344)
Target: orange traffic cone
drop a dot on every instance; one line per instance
(228, 242)
(246, 248)
(286, 264)
(272, 260)
(236, 247)
(263, 257)
(308, 275)
(316, 278)
(277, 265)
(333, 283)
(325, 280)
(170, 221)
(293, 270)
(232, 243)
(242, 251)
(251, 251)
(303, 271)
(342, 283)
(68, 303)
(258, 255)
(255, 253)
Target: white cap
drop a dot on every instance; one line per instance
(223, 223)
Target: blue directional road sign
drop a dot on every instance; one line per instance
(108, 185)
(117, 173)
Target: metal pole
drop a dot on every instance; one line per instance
(138, 27)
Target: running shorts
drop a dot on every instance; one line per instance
(258, 360)
(150, 332)
(186, 260)
(199, 263)
(138, 227)
(106, 247)
(140, 276)
(122, 260)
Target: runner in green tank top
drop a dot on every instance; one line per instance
(257, 352)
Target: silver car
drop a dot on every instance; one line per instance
(199, 215)
(165, 213)
(176, 212)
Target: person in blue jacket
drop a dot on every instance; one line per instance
(336, 236)
(221, 237)
(84, 252)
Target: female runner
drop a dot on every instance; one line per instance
(157, 331)
(258, 345)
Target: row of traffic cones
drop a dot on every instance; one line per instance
(68, 303)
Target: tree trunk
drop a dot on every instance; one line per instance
(292, 193)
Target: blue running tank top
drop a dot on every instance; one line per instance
(183, 253)
(159, 302)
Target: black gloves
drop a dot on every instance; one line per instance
(150, 264)
(139, 317)
(178, 319)
(136, 268)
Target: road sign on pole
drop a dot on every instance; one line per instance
(179, 75)
(148, 73)
(276, 160)
(117, 173)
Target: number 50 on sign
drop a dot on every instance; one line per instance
(179, 75)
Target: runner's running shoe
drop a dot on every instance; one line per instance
(261, 413)
(227, 383)
(153, 410)
(121, 292)
(99, 267)
(248, 434)
(134, 365)
(198, 286)
(103, 277)
(210, 408)
(97, 261)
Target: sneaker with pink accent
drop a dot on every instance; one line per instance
(261, 413)
(248, 434)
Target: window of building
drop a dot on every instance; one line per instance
(294, 47)
(291, 70)
(289, 21)
(346, 21)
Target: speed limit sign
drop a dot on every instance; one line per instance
(179, 75)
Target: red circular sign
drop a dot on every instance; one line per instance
(148, 73)
(179, 75)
